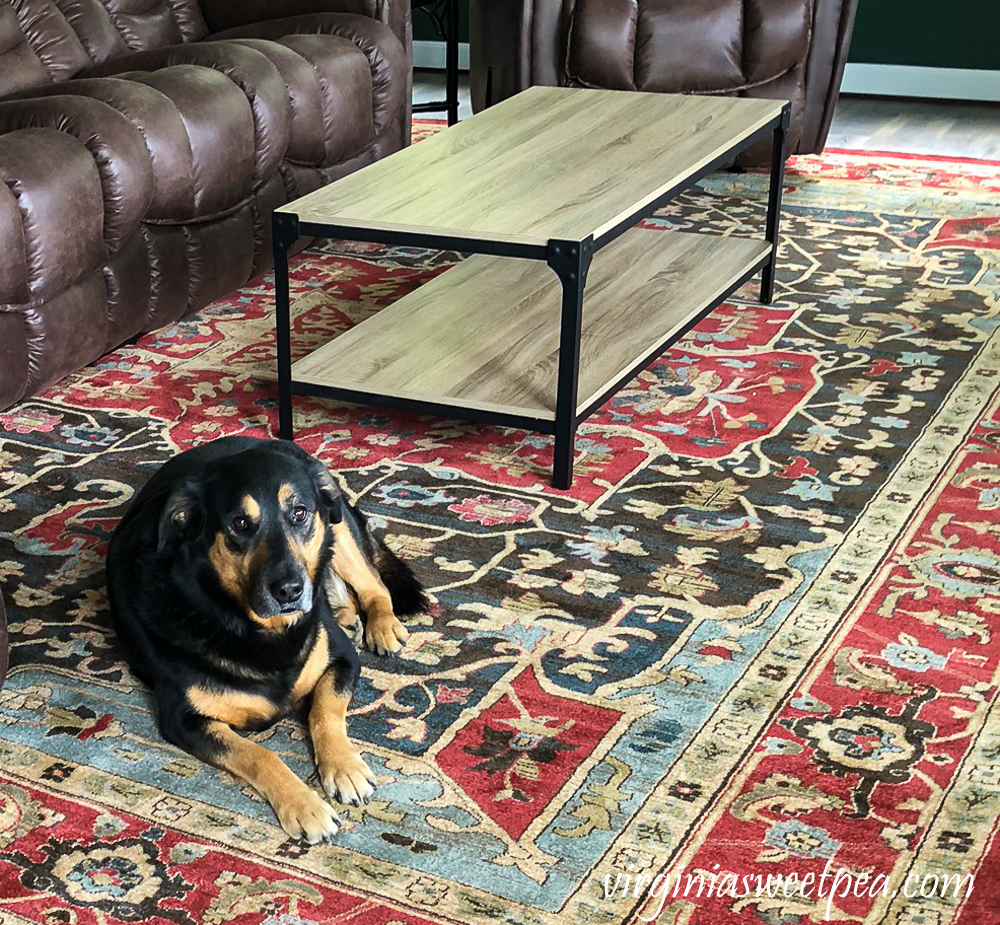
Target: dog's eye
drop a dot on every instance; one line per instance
(240, 524)
(299, 514)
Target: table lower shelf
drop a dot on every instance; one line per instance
(484, 335)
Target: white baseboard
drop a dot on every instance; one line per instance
(431, 55)
(944, 83)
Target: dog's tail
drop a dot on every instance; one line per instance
(405, 590)
(408, 595)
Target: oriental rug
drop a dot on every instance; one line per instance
(757, 638)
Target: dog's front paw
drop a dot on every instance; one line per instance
(306, 816)
(348, 779)
(385, 635)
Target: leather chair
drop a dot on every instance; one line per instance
(145, 143)
(779, 49)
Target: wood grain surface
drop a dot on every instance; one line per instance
(548, 163)
(485, 334)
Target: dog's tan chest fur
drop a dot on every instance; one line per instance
(312, 671)
(234, 708)
(241, 710)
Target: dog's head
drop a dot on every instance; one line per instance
(259, 521)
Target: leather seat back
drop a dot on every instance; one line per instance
(110, 28)
(52, 40)
(680, 46)
(41, 41)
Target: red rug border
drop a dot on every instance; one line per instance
(906, 155)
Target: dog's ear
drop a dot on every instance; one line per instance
(180, 515)
(329, 493)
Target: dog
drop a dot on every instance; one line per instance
(234, 579)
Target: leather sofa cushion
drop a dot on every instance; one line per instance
(601, 45)
(777, 35)
(198, 133)
(106, 145)
(93, 26)
(145, 24)
(71, 35)
(51, 176)
(138, 24)
(227, 14)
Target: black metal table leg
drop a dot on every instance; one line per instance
(571, 261)
(444, 15)
(284, 230)
(774, 206)
(451, 62)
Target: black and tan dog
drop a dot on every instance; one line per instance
(232, 579)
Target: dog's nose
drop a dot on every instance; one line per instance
(286, 590)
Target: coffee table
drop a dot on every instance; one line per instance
(553, 179)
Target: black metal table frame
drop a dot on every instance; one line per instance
(446, 22)
(570, 260)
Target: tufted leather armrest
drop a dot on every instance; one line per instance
(75, 181)
(192, 180)
(59, 156)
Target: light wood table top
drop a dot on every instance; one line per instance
(548, 163)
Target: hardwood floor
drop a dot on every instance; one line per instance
(944, 127)
(428, 86)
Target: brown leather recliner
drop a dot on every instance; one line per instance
(145, 143)
(779, 49)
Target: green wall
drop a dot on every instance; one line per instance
(929, 33)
